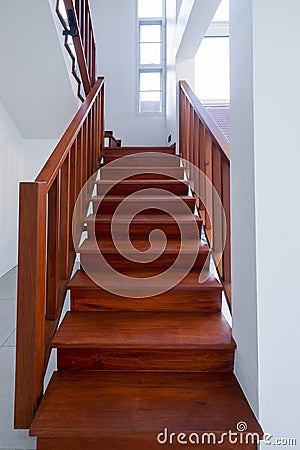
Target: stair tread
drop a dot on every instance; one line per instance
(145, 198)
(142, 182)
(163, 149)
(144, 218)
(80, 280)
(172, 246)
(144, 330)
(140, 405)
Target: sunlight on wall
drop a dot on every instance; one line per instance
(212, 83)
(222, 13)
(212, 79)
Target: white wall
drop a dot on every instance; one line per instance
(276, 62)
(266, 240)
(243, 200)
(35, 82)
(116, 34)
(20, 159)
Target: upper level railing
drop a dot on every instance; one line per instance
(203, 144)
(75, 17)
(46, 250)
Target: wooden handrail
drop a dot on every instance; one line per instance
(46, 250)
(84, 41)
(203, 144)
(68, 48)
(113, 142)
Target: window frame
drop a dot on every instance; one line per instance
(144, 68)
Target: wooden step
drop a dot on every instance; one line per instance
(127, 187)
(89, 255)
(141, 226)
(122, 151)
(146, 159)
(188, 295)
(109, 203)
(145, 341)
(128, 410)
(143, 173)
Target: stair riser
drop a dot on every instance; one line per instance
(141, 230)
(121, 151)
(126, 443)
(163, 262)
(185, 360)
(109, 207)
(177, 188)
(117, 174)
(145, 161)
(188, 300)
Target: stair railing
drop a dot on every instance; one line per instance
(79, 28)
(203, 144)
(46, 251)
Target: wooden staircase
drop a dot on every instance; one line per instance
(131, 367)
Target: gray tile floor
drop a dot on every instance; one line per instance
(9, 438)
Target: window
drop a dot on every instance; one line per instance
(151, 57)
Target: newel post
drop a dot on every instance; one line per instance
(30, 357)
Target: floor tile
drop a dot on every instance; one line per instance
(10, 341)
(8, 288)
(10, 273)
(7, 319)
(10, 438)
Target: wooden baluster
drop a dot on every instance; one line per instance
(93, 77)
(226, 205)
(217, 224)
(82, 28)
(78, 12)
(92, 139)
(208, 191)
(31, 302)
(86, 31)
(202, 167)
(64, 269)
(102, 125)
(52, 249)
(181, 123)
(195, 174)
(187, 127)
(73, 159)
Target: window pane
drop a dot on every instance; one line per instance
(150, 33)
(150, 54)
(150, 81)
(150, 102)
(150, 8)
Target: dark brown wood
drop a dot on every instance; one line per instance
(206, 119)
(31, 302)
(53, 249)
(143, 173)
(128, 187)
(109, 203)
(64, 229)
(132, 443)
(117, 406)
(89, 257)
(46, 256)
(188, 295)
(79, 46)
(141, 226)
(204, 144)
